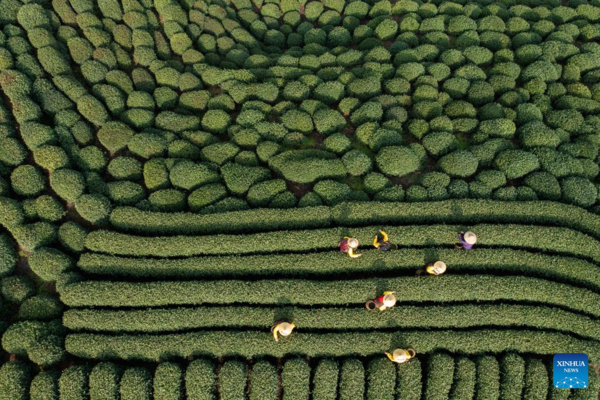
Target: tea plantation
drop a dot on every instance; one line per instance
(176, 176)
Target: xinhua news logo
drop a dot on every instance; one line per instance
(570, 371)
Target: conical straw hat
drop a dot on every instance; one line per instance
(389, 300)
(285, 328)
(400, 355)
(470, 237)
(440, 267)
(352, 242)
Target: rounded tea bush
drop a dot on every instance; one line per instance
(460, 163)
(94, 208)
(516, 163)
(48, 263)
(579, 191)
(357, 163)
(27, 180)
(216, 121)
(68, 184)
(397, 160)
(17, 288)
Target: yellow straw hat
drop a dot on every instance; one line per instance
(389, 300)
(470, 237)
(439, 267)
(352, 242)
(401, 356)
(285, 329)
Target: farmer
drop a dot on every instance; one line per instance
(467, 240)
(436, 268)
(349, 245)
(401, 356)
(282, 328)
(388, 300)
(384, 244)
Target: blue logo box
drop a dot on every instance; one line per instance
(570, 370)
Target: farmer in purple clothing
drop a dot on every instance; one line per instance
(467, 240)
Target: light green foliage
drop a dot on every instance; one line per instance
(397, 160)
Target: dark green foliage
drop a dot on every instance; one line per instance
(488, 378)
(8, 255)
(397, 160)
(94, 208)
(440, 373)
(306, 166)
(206, 195)
(17, 289)
(357, 163)
(325, 380)
(104, 381)
(44, 386)
(464, 379)
(239, 179)
(201, 380)
(512, 377)
(264, 381)
(114, 136)
(295, 379)
(38, 340)
(15, 378)
(233, 380)
(579, 191)
(49, 263)
(136, 383)
(189, 175)
(27, 180)
(49, 208)
(72, 236)
(332, 192)
(545, 185)
(167, 200)
(43, 307)
(381, 379)
(459, 163)
(536, 380)
(516, 163)
(352, 380)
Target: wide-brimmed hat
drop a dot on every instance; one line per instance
(470, 237)
(285, 328)
(352, 242)
(439, 267)
(389, 300)
(400, 355)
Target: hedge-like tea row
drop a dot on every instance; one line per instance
(488, 377)
(512, 377)
(168, 382)
(201, 380)
(233, 378)
(536, 380)
(352, 380)
(341, 292)
(563, 240)
(325, 380)
(376, 378)
(104, 381)
(440, 373)
(465, 378)
(410, 377)
(402, 317)
(464, 211)
(253, 344)
(132, 219)
(381, 379)
(264, 381)
(564, 269)
(295, 379)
